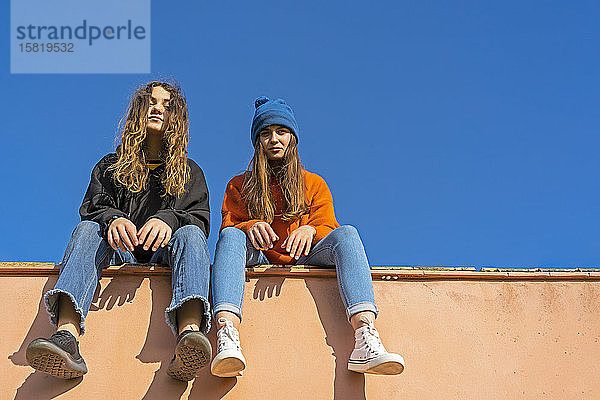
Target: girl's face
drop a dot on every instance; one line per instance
(158, 109)
(275, 140)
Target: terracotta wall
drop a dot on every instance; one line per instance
(461, 338)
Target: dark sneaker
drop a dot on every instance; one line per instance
(192, 352)
(58, 356)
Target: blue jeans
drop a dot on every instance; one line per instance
(88, 253)
(342, 249)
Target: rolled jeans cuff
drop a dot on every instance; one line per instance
(171, 314)
(361, 307)
(51, 301)
(232, 308)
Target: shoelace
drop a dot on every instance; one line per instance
(66, 341)
(372, 340)
(228, 335)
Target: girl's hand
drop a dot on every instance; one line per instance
(154, 231)
(122, 234)
(262, 236)
(299, 241)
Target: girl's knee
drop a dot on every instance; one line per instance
(189, 232)
(86, 229)
(346, 232)
(232, 233)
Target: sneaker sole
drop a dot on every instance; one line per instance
(228, 364)
(385, 365)
(47, 357)
(192, 353)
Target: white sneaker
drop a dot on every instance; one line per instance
(370, 357)
(229, 360)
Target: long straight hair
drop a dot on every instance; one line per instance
(256, 187)
(131, 170)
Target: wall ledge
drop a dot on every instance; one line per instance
(379, 273)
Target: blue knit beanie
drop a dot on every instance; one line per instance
(272, 112)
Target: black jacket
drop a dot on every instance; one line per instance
(104, 199)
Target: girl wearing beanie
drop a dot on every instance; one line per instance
(278, 213)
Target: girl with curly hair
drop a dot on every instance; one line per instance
(148, 202)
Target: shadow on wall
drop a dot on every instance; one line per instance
(155, 349)
(39, 385)
(339, 335)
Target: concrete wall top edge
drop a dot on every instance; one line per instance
(389, 273)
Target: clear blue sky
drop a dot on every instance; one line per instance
(450, 133)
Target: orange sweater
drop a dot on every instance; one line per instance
(321, 215)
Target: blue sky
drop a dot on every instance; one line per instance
(450, 133)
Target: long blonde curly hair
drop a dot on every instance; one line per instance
(131, 170)
(256, 188)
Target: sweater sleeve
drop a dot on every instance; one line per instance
(100, 200)
(234, 212)
(192, 208)
(321, 214)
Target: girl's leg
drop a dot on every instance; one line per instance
(223, 316)
(188, 315)
(68, 318)
(84, 246)
(234, 252)
(187, 255)
(359, 319)
(344, 249)
(86, 254)
(68, 303)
